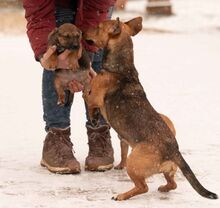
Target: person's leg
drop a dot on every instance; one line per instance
(57, 153)
(55, 116)
(100, 156)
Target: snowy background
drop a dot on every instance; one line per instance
(178, 59)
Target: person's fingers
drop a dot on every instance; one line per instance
(63, 61)
(92, 73)
(64, 55)
(46, 56)
(45, 65)
(49, 52)
(75, 86)
(73, 89)
(79, 86)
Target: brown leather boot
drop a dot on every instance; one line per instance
(100, 156)
(57, 154)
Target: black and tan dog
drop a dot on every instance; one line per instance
(117, 92)
(68, 36)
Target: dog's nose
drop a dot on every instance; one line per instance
(90, 42)
(75, 43)
(74, 47)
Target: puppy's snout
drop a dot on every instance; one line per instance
(74, 47)
(75, 44)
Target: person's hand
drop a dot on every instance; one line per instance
(77, 86)
(62, 61)
(92, 73)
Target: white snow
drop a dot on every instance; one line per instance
(180, 73)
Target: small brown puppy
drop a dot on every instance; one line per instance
(124, 146)
(68, 36)
(118, 93)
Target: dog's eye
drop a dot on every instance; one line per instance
(65, 35)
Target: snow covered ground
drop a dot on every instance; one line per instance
(180, 73)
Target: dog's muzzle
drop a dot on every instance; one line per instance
(74, 47)
(61, 49)
(90, 42)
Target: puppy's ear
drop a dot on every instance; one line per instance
(53, 37)
(116, 27)
(134, 26)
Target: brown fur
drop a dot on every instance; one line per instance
(124, 146)
(68, 36)
(118, 93)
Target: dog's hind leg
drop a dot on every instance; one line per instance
(69, 98)
(169, 169)
(60, 92)
(140, 188)
(137, 169)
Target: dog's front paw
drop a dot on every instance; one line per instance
(119, 197)
(52, 64)
(94, 122)
(114, 198)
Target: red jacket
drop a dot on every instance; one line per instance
(41, 19)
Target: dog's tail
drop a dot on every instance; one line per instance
(187, 172)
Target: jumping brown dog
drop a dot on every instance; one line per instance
(68, 36)
(118, 93)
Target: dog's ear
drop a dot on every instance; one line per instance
(53, 37)
(116, 28)
(134, 26)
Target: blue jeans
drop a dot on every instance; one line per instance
(54, 115)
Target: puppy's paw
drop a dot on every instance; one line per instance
(61, 102)
(52, 64)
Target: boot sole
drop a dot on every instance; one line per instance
(100, 168)
(58, 170)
